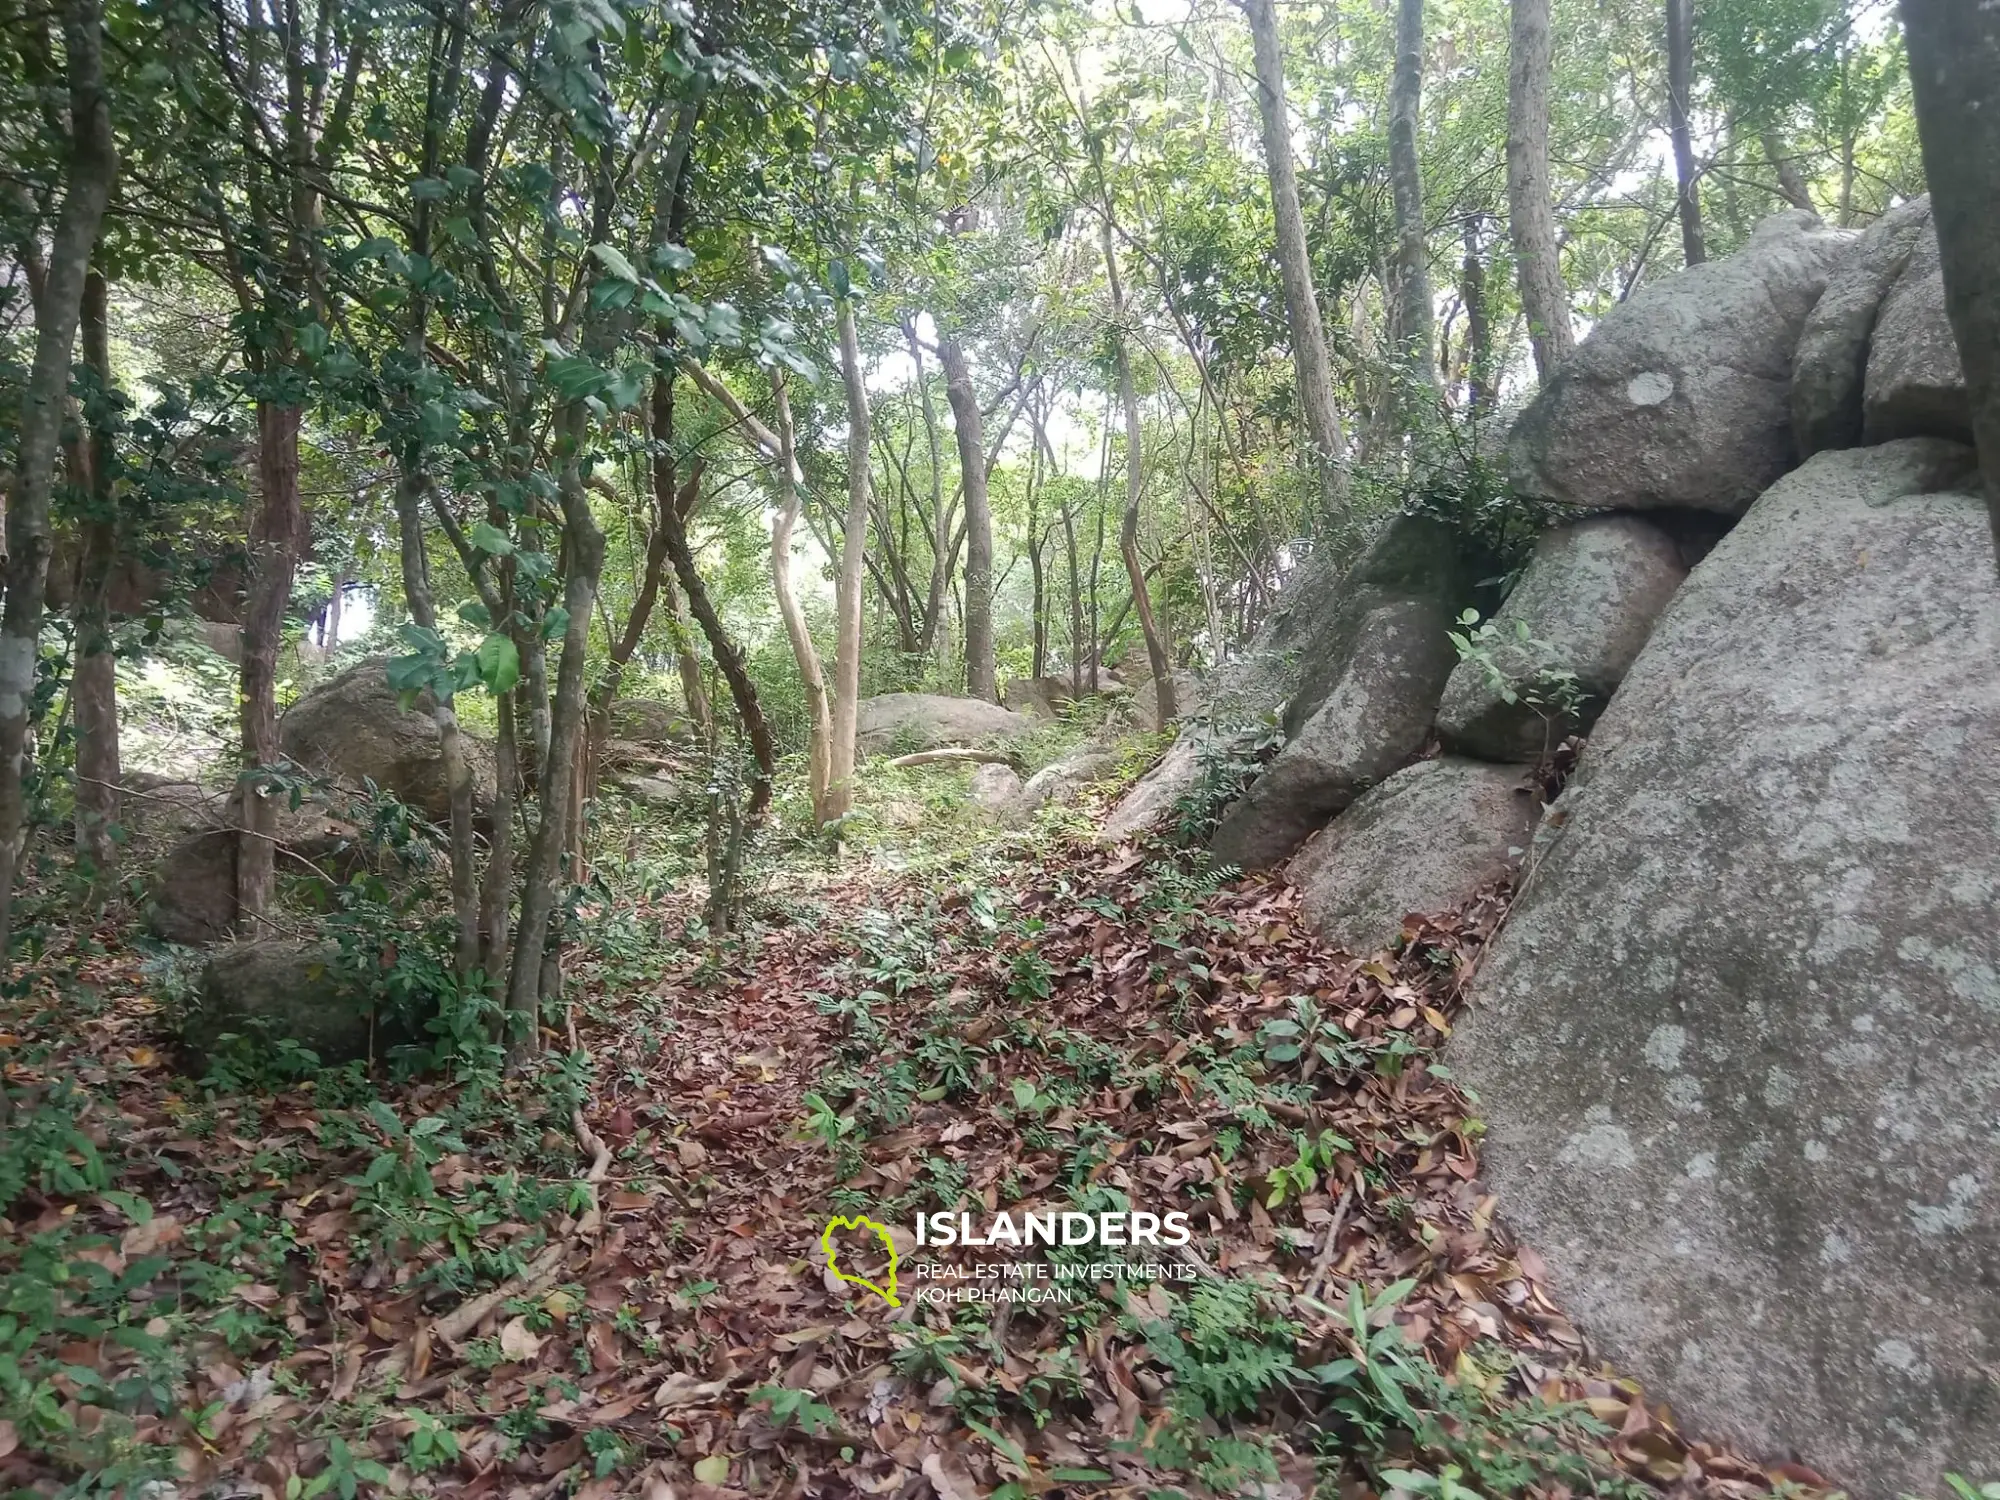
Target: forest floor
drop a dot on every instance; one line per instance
(609, 1279)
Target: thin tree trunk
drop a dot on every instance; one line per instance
(681, 501)
(1309, 349)
(584, 543)
(93, 165)
(934, 594)
(330, 635)
(1530, 215)
(1158, 652)
(1791, 182)
(1038, 661)
(1954, 53)
(1680, 89)
(496, 890)
(1478, 322)
(411, 487)
(819, 716)
(277, 535)
(1415, 320)
(971, 433)
(94, 685)
(847, 585)
(729, 661)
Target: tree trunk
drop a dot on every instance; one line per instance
(1478, 322)
(1415, 320)
(847, 585)
(1038, 660)
(1790, 182)
(940, 517)
(1158, 652)
(94, 685)
(93, 164)
(819, 717)
(1309, 350)
(1530, 216)
(970, 429)
(1680, 88)
(277, 534)
(1954, 51)
(728, 660)
(496, 889)
(584, 543)
(411, 487)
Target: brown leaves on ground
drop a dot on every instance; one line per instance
(1088, 1020)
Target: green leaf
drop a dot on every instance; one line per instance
(554, 623)
(499, 663)
(490, 538)
(614, 261)
(576, 378)
(712, 1470)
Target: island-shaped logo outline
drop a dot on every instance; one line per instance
(861, 1222)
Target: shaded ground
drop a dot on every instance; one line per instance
(337, 1290)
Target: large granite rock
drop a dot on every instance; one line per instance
(1175, 777)
(1682, 395)
(191, 891)
(1298, 659)
(1423, 841)
(648, 721)
(1916, 386)
(1190, 698)
(276, 990)
(1064, 780)
(1413, 557)
(996, 788)
(899, 722)
(1738, 1046)
(1584, 606)
(355, 729)
(1373, 720)
(1830, 365)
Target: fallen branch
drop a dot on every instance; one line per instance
(956, 753)
(540, 1273)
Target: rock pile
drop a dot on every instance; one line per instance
(1737, 1041)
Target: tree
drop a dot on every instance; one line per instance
(1954, 59)
(56, 280)
(969, 429)
(1530, 216)
(846, 706)
(1159, 654)
(1680, 90)
(1302, 313)
(1414, 319)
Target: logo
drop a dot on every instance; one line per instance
(861, 1223)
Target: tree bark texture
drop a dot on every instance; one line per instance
(1530, 211)
(94, 681)
(970, 429)
(1416, 319)
(91, 170)
(846, 705)
(1680, 92)
(1310, 359)
(1158, 653)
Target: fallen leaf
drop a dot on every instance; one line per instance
(517, 1343)
(714, 1469)
(949, 1480)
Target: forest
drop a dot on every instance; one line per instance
(581, 579)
